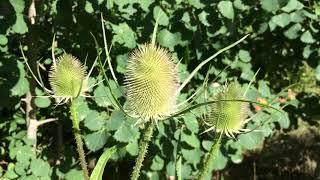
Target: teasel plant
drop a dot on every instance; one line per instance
(69, 81)
(151, 87)
(226, 113)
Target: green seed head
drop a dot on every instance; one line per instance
(227, 116)
(151, 83)
(67, 78)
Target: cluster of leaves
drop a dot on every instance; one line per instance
(283, 33)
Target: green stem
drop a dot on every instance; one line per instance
(76, 131)
(144, 142)
(210, 158)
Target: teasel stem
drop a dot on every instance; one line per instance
(144, 143)
(76, 131)
(214, 149)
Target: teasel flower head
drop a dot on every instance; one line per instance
(151, 83)
(228, 114)
(67, 78)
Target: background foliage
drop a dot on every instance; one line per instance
(283, 42)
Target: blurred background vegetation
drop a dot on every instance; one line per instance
(283, 43)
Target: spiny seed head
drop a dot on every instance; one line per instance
(67, 78)
(151, 83)
(227, 116)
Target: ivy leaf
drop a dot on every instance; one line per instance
(163, 19)
(293, 5)
(307, 38)
(270, 5)
(96, 140)
(281, 20)
(226, 9)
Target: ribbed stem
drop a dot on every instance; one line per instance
(144, 143)
(76, 132)
(210, 157)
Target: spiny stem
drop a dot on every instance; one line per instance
(210, 158)
(144, 143)
(76, 131)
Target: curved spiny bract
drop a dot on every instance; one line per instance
(227, 116)
(151, 83)
(67, 78)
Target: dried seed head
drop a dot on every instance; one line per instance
(67, 78)
(151, 83)
(227, 116)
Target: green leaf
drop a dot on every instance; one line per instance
(3, 40)
(10, 173)
(133, 148)
(40, 168)
(191, 140)
(164, 19)
(22, 153)
(196, 3)
(20, 25)
(270, 5)
(88, 7)
(307, 38)
(42, 102)
(292, 32)
(117, 118)
(122, 63)
(293, 5)
(126, 132)
(251, 140)
(168, 39)
(74, 174)
(144, 4)
(318, 72)
(96, 140)
(94, 121)
(124, 35)
(264, 89)
(244, 55)
(192, 156)
(98, 170)
(22, 86)
(157, 163)
(191, 122)
(282, 19)
(103, 95)
(18, 5)
(219, 161)
(226, 9)
(203, 18)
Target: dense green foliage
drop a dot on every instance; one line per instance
(283, 43)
